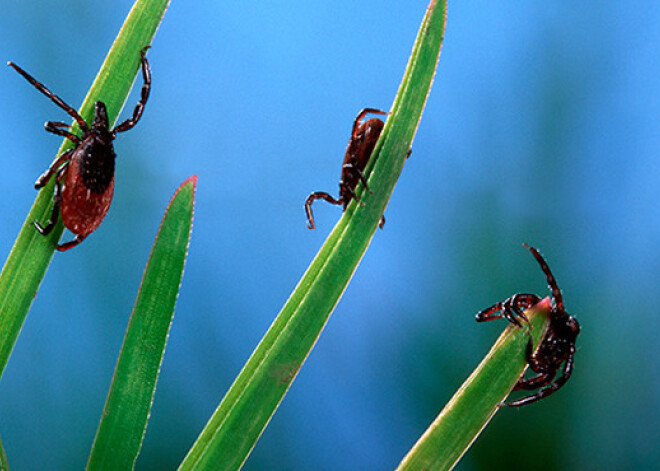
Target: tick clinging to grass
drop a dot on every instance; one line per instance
(557, 346)
(84, 175)
(360, 147)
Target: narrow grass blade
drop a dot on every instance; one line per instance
(4, 464)
(247, 407)
(124, 421)
(31, 254)
(476, 402)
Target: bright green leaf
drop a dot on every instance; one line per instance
(247, 407)
(124, 420)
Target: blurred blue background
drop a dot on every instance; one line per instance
(542, 126)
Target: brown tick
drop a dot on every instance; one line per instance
(557, 346)
(84, 175)
(360, 146)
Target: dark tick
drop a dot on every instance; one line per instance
(556, 347)
(84, 175)
(360, 146)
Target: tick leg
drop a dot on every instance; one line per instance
(551, 388)
(343, 187)
(534, 382)
(356, 171)
(54, 98)
(144, 95)
(54, 127)
(45, 230)
(552, 282)
(72, 243)
(532, 361)
(511, 309)
(516, 306)
(490, 313)
(524, 300)
(362, 114)
(57, 197)
(313, 197)
(363, 179)
(43, 179)
(529, 354)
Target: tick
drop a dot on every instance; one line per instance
(557, 346)
(85, 174)
(360, 146)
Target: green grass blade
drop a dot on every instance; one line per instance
(124, 421)
(476, 402)
(31, 254)
(239, 420)
(4, 464)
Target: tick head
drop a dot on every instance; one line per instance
(100, 116)
(573, 325)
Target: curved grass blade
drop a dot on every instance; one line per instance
(124, 420)
(239, 420)
(31, 254)
(476, 402)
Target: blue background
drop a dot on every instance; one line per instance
(542, 126)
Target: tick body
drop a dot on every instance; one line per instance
(85, 174)
(557, 347)
(360, 147)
